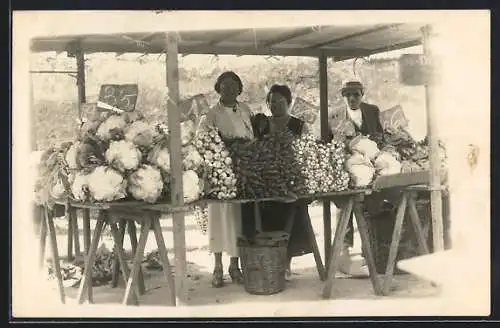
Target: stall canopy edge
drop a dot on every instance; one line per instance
(339, 41)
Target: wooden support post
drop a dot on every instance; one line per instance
(69, 220)
(86, 244)
(132, 233)
(76, 234)
(325, 131)
(337, 247)
(86, 282)
(80, 79)
(43, 236)
(176, 164)
(434, 151)
(49, 219)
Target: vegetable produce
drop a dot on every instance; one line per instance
(89, 154)
(191, 158)
(201, 217)
(79, 187)
(106, 184)
(361, 169)
(72, 155)
(146, 184)
(322, 165)
(267, 167)
(112, 128)
(187, 132)
(365, 146)
(141, 134)
(159, 154)
(123, 155)
(386, 163)
(51, 175)
(342, 129)
(219, 177)
(58, 190)
(192, 186)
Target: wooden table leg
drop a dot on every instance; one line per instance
(69, 220)
(43, 237)
(86, 244)
(76, 233)
(133, 241)
(396, 238)
(417, 226)
(366, 246)
(55, 255)
(336, 248)
(118, 239)
(314, 243)
(91, 257)
(167, 269)
(86, 229)
(115, 271)
(136, 266)
(327, 231)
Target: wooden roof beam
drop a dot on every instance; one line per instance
(226, 36)
(354, 35)
(339, 54)
(397, 46)
(289, 36)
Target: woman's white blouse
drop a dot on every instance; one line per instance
(230, 123)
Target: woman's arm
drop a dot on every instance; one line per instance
(206, 121)
(306, 129)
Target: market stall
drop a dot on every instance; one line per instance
(324, 42)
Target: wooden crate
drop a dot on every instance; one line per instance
(401, 180)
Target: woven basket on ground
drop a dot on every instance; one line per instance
(264, 260)
(381, 228)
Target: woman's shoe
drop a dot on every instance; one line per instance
(236, 275)
(218, 278)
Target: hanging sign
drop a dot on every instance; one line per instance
(118, 98)
(194, 107)
(304, 110)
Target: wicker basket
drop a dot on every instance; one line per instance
(263, 260)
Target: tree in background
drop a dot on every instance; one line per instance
(55, 95)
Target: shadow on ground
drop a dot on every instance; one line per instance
(305, 286)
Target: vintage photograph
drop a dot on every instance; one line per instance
(250, 164)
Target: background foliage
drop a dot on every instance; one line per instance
(55, 95)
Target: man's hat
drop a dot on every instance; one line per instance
(352, 85)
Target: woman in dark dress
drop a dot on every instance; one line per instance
(275, 214)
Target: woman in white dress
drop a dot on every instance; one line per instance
(233, 120)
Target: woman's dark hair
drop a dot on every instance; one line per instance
(283, 90)
(229, 74)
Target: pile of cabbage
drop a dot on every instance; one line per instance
(394, 152)
(117, 157)
(414, 154)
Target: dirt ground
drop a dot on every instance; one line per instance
(305, 285)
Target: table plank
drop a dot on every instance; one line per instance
(165, 207)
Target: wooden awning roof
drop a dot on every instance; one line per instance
(338, 41)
